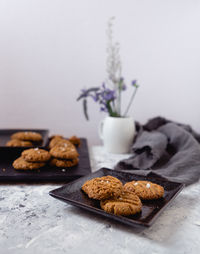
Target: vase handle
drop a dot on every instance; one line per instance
(100, 129)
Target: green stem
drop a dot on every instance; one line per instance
(110, 111)
(119, 101)
(131, 100)
(119, 90)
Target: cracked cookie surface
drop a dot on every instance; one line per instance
(103, 187)
(55, 140)
(64, 150)
(36, 155)
(145, 189)
(27, 135)
(126, 204)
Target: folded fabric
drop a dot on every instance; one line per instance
(166, 148)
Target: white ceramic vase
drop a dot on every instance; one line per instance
(117, 134)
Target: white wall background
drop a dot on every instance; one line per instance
(50, 49)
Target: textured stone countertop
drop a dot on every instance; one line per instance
(31, 221)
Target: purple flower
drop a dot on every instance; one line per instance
(121, 84)
(88, 92)
(103, 86)
(123, 87)
(134, 83)
(96, 96)
(103, 109)
(108, 95)
(84, 92)
(121, 80)
(102, 102)
(105, 95)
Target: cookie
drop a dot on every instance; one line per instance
(36, 155)
(63, 163)
(126, 204)
(21, 164)
(27, 135)
(145, 189)
(75, 141)
(56, 136)
(64, 150)
(54, 141)
(16, 142)
(65, 143)
(103, 187)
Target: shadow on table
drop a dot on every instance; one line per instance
(166, 226)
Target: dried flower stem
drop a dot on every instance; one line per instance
(114, 65)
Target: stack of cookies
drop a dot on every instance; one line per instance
(121, 199)
(30, 159)
(63, 152)
(24, 139)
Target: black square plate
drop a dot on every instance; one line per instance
(6, 133)
(45, 174)
(72, 193)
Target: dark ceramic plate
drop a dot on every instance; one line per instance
(72, 193)
(45, 174)
(6, 133)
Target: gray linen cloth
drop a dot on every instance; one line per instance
(171, 151)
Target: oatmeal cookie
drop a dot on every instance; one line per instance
(36, 155)
(145, 189)
(54, 141)
(64, 150)
(63, 163)
(65, 143)
(103, 187)
(27, 135)
(56, 136)
(21, 164)
(75, 141)
(16, 143)
(126, 204)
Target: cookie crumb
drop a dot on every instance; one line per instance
(135, 184)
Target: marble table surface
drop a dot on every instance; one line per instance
(31, 221)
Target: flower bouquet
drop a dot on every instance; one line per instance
(117, 130)
(109, 94)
